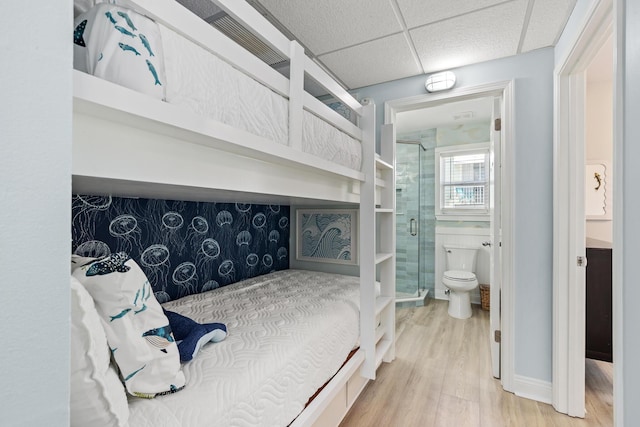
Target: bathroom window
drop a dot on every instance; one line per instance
(462, 192)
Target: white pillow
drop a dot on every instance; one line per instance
(98, 398)
(137, 330)
(121, 46)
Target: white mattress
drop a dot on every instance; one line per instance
(289, 333)
(209, 86)
(324, 140)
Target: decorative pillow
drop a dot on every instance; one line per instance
(98, 398)
(191, 335)
(137, 330)
(121, 46)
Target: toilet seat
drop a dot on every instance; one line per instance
(459, 275)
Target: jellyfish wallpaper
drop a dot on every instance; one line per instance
(184, 247)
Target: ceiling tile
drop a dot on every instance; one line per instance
(378, 61)
(420, 12)
(479, 36)
(328, 25)
(548, 18)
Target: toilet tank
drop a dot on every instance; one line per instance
(462, 258)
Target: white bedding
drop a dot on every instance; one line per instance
(209, 86)
(289, 332)
(323, 140)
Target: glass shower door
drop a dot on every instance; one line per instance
(407, 221)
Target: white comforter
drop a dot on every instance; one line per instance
(289, 332)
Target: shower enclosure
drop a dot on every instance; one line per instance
(414, 270)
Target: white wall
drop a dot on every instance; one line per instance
(599, 147)
(533, 209)
(35, 195)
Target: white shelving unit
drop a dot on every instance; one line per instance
(377, 254)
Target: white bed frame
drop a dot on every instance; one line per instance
(129, 144)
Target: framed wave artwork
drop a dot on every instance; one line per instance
(327, 235)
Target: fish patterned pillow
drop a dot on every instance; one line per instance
(97, 398)
(121, 46)
(137, 330)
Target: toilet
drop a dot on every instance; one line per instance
(459, 278)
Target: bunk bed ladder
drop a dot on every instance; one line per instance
(377, 243)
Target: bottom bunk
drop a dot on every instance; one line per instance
(290, 354)
(289, 333)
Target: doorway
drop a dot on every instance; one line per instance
(500, 241)
(580, 208)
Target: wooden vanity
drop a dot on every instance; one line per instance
(599, 299)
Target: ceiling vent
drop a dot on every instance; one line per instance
(465, 115)
(214, 15)
(236, 32)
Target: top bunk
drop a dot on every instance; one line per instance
(216, 122)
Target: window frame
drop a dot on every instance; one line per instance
(463, 213)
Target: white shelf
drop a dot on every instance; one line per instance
(382, 257)
(381, 183)
(382, 303)
(384, 210)
(379, 333)
(381, 350)
(381, 164)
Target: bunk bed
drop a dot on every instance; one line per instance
(131, 144)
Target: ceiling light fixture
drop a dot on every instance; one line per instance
(440, 81)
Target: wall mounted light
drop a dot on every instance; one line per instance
(440, 81)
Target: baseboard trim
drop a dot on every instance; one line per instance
(531, 388)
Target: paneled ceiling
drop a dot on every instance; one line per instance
(365, 42)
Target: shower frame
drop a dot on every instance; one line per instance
(419, 297)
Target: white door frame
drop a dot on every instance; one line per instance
(505, 90)
(495, 233)
(569, 297)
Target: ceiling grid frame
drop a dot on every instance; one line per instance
(405, 31)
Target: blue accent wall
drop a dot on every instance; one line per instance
(184, 247)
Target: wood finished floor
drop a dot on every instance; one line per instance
(441, 377)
